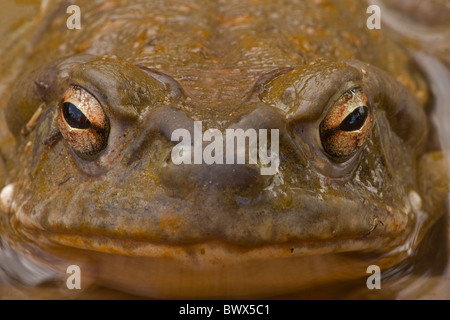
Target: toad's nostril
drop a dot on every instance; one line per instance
(184, 178)
(166, 120)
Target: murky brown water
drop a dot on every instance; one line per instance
(431, 46)
(423, 275)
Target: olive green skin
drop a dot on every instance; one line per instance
(230, 65)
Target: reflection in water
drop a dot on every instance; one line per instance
(424, 273)
(16, 267)
(430, 46)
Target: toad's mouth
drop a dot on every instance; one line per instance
(140, 231)
(208, 251)
(212, 269)
(138, 223)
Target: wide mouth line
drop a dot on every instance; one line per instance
(207, 248)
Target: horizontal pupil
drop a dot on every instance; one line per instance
(355, 120)
(74, 117)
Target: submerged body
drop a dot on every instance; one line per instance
(89, 179)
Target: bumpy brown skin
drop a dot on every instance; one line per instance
(157, 66)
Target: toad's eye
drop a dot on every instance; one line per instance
(83, 123)
(355, 120)
(74, 117)
(347, 125)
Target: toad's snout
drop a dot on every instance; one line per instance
(243, 156)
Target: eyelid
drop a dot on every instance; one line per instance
(41, 86)
(124, 89)
(404, 112)
(310, 89)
